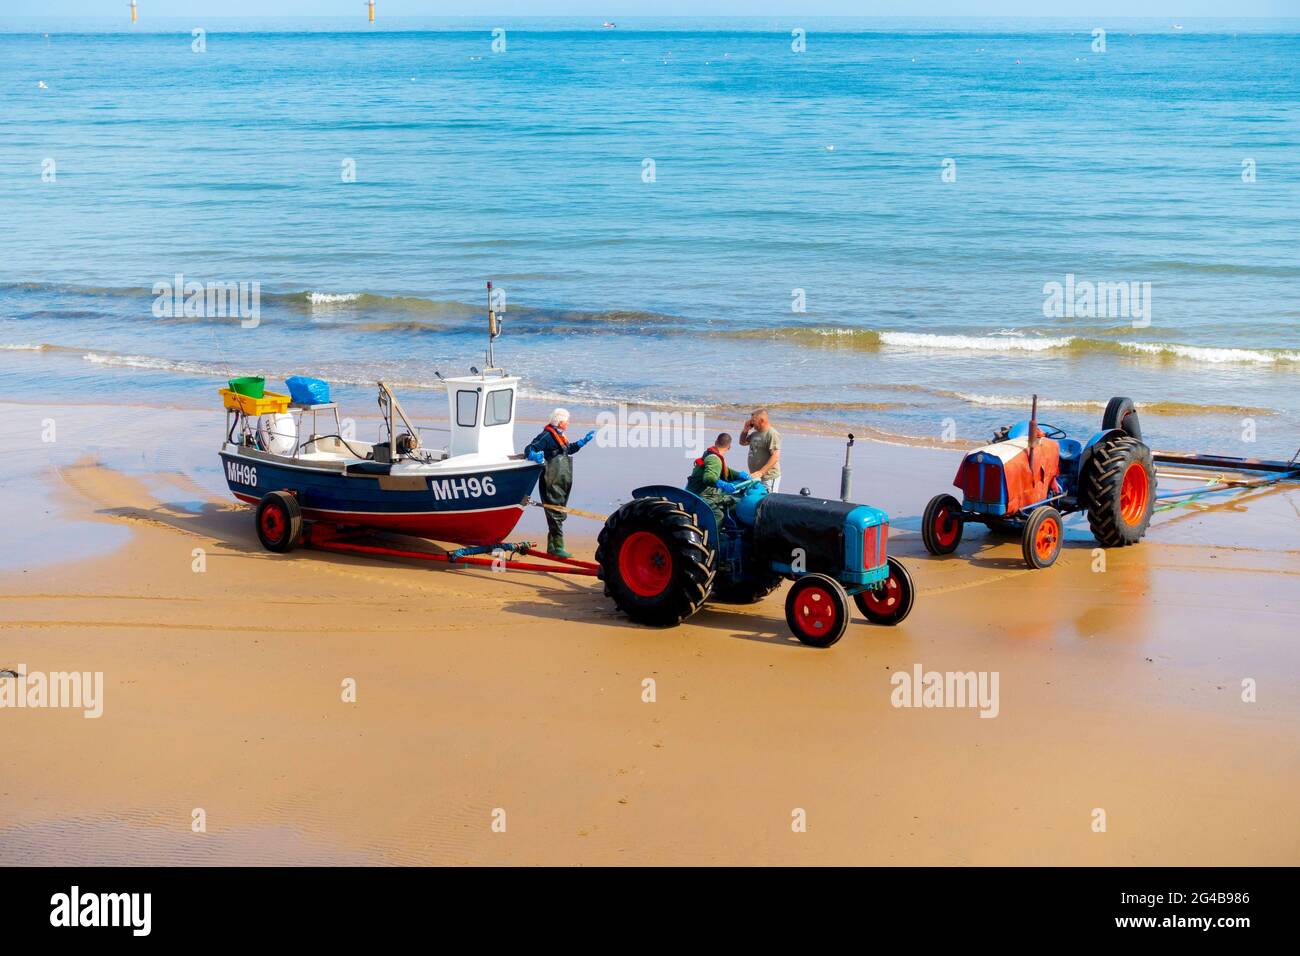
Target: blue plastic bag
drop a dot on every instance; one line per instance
(308, 391)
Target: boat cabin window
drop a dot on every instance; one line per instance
(499, 406)
(466, 408)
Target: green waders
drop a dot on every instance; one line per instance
(555, 485)
(718, 502)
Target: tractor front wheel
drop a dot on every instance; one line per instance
(817, 610)
(891, 600)
(941, 525)
(1120, 488)
(655, 562)
(1041, 543)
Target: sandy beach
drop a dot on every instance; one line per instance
(518, 698)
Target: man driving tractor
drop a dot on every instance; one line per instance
(713, 481)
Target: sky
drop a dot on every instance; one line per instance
(1173, 9)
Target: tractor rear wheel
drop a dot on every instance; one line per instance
(1121, 413)
(279, 522)
(655, 562)
(1119, 486)
(1044, 531)
(941, 525)
(892, 601)
(817, 610)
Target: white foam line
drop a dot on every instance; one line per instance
(973, 343)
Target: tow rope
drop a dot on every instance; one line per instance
(1219, 484)
(570, 511)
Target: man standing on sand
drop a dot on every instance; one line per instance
(553, 450)
(764, 444)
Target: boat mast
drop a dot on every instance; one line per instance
(494, 328)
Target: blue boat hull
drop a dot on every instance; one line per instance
(469, 507)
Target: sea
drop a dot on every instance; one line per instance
(900, 228)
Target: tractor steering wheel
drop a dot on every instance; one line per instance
(1051, 431)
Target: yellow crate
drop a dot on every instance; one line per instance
(269, 404)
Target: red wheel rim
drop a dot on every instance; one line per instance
(883, 599)
(1047, 538)
(945, 526)
(645, 564)
(272, 522)
(1134, 493)
(814, 611)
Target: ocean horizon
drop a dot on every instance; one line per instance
(904, 227)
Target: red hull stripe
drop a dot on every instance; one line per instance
(479, 526)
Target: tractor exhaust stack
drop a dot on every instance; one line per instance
(846, 473)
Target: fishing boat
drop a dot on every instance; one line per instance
(473, 491)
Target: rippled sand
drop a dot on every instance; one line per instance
(479, 693)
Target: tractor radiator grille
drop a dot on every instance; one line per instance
(873, 546)
(983, 483)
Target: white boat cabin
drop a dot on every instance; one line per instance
(481, 413)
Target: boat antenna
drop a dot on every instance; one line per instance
(494, 327)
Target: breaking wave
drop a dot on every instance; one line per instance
(875, 340)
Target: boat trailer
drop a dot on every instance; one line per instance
(1219, 474)
(343, 541)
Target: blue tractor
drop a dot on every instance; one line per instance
(662, 556)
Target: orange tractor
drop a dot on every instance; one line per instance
(1033, 474)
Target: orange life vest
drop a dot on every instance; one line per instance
(558, 436)
(699, 462)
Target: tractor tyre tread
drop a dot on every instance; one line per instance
(1102, 483)
(693, 560)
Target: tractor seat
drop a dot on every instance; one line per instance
(1070, 448)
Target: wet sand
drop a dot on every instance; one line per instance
(479, 692)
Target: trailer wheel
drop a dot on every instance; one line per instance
(817, 610)
(654, 561)
(941, 525)
(892, 601)
(1041, 543)
(1121, 413)
(1120, 488)
(279, 522)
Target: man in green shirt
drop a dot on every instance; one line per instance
(713, 481)
(764, 443)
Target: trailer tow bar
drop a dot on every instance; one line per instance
(490, 555)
